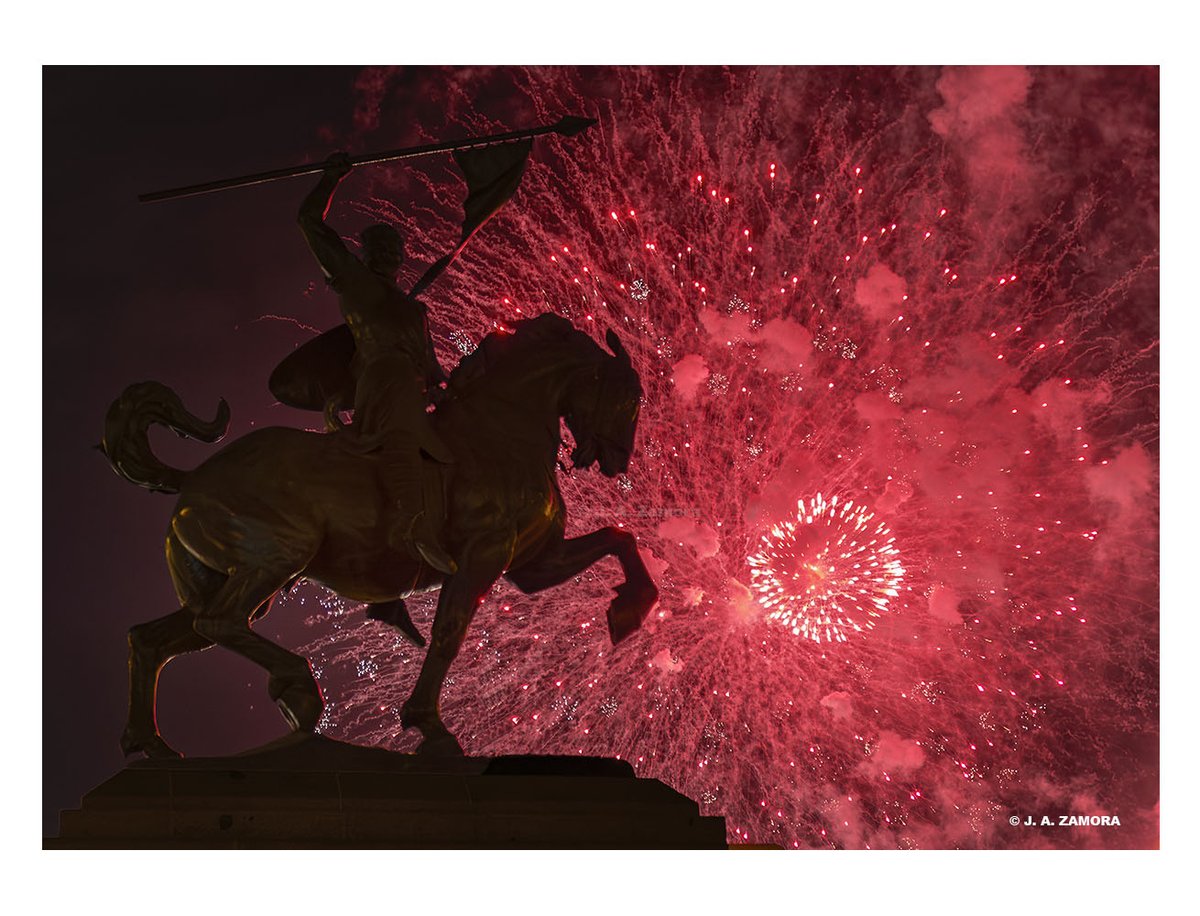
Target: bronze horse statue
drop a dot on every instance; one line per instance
(279, 504)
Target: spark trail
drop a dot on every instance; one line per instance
(930, 292)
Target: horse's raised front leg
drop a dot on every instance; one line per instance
(567, 558)
(151, 646)
(480, 565)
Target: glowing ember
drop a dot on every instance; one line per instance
(834, 569)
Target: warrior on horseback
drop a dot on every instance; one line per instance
(394, 364)
(347, 509)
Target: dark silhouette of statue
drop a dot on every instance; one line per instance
(321, 374)
(279, 504)
(394, 366)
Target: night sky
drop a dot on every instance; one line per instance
(159, 292)
(932, 292)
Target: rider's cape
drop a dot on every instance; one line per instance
(320, 369)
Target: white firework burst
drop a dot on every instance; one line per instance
(833, 570)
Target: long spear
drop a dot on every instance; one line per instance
(567, 126)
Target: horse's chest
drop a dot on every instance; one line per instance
(515, 497)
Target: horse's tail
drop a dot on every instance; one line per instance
(127, 443)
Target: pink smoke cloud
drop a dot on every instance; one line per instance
(978, 101)
(893, 755)
(665, 662)
(784, 346)
(726, 328)
(881, 293)
(839, 703)
(700, 537)
(688, 375)
(982, 119)
(943, 604)
(1126, 482)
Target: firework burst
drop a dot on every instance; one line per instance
(834, 569)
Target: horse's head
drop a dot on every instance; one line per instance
(603, 418)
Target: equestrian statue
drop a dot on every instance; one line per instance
(403, 500)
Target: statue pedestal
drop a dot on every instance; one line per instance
(306, 791)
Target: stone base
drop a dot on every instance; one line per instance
(310, 792)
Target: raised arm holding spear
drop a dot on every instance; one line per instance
(394, 365)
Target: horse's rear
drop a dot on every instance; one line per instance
(299, 504)
(270, 507)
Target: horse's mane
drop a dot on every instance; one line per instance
(530, 335)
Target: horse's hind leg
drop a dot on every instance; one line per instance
(559, 562)
(151, 646)
(225, 620)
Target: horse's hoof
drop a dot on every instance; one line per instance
(445, 745)
(437, 740)
(301, 708)
(629, 609)
(413, 717)
(151, 746)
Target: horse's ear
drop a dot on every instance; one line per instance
(614, 344)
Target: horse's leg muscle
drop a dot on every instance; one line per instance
(555, 565)
(151, 646)
(481, 565)
(226, 621)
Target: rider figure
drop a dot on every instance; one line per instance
(394, 364)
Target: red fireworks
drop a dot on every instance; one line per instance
(839, 326)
